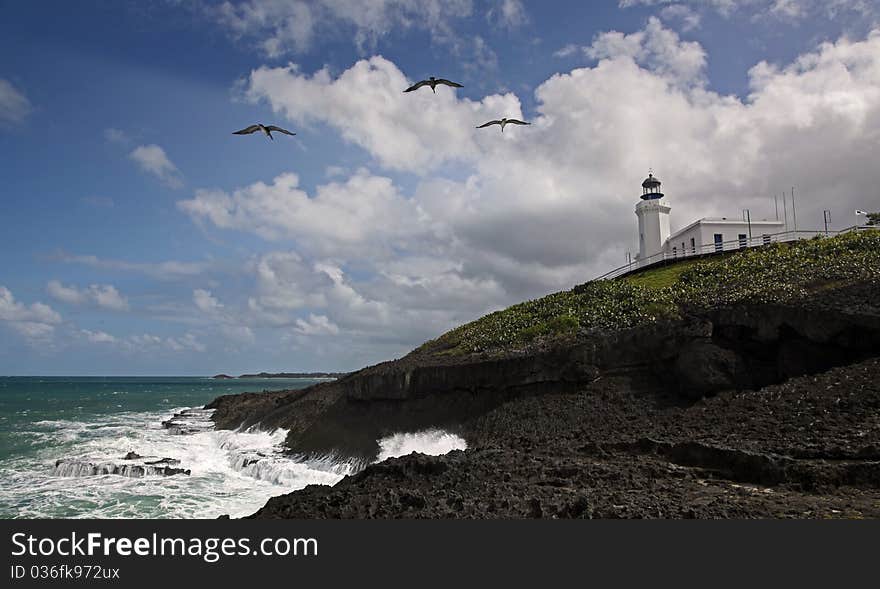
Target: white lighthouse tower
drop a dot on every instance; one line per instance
(653, 214)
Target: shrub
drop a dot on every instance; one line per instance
(773, 273)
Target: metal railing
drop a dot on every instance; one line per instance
(710, 249)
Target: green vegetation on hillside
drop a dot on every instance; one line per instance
(773, 273)
(660, 277)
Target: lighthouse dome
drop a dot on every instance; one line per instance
(651, 182)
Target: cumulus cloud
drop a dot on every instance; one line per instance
(14, 105)
(655, 47)
(284, 26)
(205, 301)
(546, 206)
(339, 216)
(152, 159)
(35, 322)
(413, 132)
(104, 296)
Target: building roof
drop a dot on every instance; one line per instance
(651, 181)
(725, 221)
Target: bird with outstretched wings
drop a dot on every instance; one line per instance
(503, 122)
(433, 82)
(266, 129)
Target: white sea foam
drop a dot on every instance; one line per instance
(433, 442)
(231, 472)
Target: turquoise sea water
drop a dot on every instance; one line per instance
(91, 423)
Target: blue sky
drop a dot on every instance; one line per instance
(141, 237)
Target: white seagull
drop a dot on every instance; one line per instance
(267, 130)
(432, 82)
(503, 122)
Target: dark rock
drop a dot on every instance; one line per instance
(78, 468)
(703, 368)
(750, 411)
(163, 461)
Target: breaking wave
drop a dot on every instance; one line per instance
(152, 465)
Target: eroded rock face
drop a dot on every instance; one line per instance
(703, 368)
(188, 422)
(806, 448)
(740, 348)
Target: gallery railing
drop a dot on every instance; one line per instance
(723, 246)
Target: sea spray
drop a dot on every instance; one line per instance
(433, 442)
(66, 445)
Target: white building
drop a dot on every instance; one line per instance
(703, 236)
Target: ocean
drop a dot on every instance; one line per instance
(82, 447)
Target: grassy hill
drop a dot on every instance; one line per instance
(773, 273)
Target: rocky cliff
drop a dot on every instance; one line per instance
(742, 347)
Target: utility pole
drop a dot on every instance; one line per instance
(826, 216)
(749, 218)
(785, 211)
(776, 203)
(793, 208)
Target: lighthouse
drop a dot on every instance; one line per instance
(653, 214)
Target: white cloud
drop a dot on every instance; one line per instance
(688, 18)
(205, 301)
(187, 342)
(547, 206)
(509, 14)
(35, 322)
(98, 337)
(568, 51)
(14, 105)
(785, 10)
(414, 132)
(283, 26)
(146, 342)
(655, 47)
(339, 217)
(102, 295)
(107, 297)
(316, 325)
(153, 160)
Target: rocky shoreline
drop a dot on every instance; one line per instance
(754, 410)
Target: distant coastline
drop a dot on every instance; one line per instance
(282, 375)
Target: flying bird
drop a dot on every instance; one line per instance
(432, 82)
(503, 122)
(267, 130)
